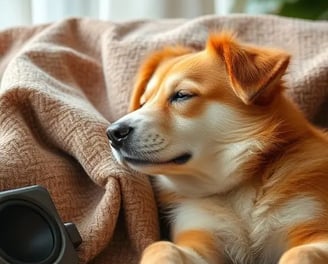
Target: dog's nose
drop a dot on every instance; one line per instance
(118, 132)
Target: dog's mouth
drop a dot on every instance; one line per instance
(181, 159)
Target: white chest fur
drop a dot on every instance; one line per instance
(251, 231)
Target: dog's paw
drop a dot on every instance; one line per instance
(304, 255)
(163, 252)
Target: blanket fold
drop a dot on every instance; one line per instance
(63, 83)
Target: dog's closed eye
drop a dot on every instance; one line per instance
(181, 95)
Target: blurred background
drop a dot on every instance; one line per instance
(29, 12)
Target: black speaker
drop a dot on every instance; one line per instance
(31, 231)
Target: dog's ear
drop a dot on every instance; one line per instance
(148, 68)
(254, 73)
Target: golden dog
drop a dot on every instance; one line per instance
(241, 173)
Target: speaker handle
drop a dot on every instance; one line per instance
(73, 234)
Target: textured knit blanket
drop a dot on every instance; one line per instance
(63, 83)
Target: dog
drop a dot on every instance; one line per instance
(239, 171)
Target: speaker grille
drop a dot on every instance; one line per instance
(28, 233)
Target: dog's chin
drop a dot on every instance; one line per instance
(140, 161)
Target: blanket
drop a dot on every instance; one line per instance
(63, 83)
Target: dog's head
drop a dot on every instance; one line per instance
(197, 115)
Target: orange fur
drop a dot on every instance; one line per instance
(289, 159)
(253, 72)
(148, 70)
(204, 243)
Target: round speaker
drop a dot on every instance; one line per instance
(31, 231)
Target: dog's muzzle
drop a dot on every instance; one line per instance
(118, 133)
(122, 137)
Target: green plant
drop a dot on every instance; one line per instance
(308, 9)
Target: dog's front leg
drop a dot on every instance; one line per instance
(188, 247)
(308, 245)
(312, 253)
